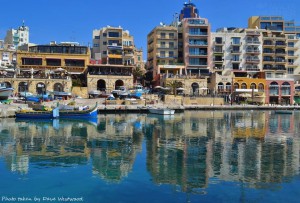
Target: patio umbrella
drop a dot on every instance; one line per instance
(59, 70)
(157, 87)
(245, 95)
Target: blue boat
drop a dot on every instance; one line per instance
(88, 113)
(38, 114)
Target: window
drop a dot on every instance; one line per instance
(104, 34)
(171, 35)
(96, 45)
(290, 71)
(171, 45)
(219, 40)
(97, 37)
(235, 58)
(162, 54)
(162, 35)
(139, 58)
(113, 34)
(104, 43)
(163, 44)
(105, 52)
(171, 54)
(244, 86)
(236, 40)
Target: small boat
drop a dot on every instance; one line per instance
(32, 114)
(5, 92)
(94, 93)
(162, 111)
(283, 112)
(79, 113)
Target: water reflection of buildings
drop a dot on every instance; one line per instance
(68, 143)
(186, 150)
(232, 146)
(116, 146)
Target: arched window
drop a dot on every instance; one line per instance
(261, 87)
(236, 86)
(286, 88)
(274, 88)
(220, 86)
(244, 86)
(253, 86)
(228, 87)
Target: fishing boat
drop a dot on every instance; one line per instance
(32, 114)
(5, 91)
(78, 113)
(162, 111)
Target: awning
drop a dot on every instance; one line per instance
(75, 73)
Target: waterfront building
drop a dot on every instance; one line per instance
(17, 37)
(179, 53)
(116, 56)
(49, 67)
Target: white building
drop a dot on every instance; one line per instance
(17, 37)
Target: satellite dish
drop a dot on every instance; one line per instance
(161, 23)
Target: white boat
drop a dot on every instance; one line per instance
(5, 92)
(94, 93)
(162, 111)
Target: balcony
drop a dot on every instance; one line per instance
(236, 51)
(252, 68)
(280, 60)
(251, 51)
(268, 52)
(252, 33)
(252, 60)
(280, 44)
(199, 34)
(280, 53)
(252, 42)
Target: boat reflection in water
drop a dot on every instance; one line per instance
(195, 152)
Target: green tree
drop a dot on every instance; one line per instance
(137, 73)
(173, 85)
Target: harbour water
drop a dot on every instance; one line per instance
(195, 156)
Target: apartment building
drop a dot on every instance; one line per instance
(162, 53)
(116, 54)
(180, 51)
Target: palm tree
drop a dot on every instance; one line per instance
(173, 85)
(137, 73)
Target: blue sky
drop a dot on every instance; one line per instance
(74, 20)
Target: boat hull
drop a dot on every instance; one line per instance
(38, 114)
(92, 113)
(162, 111)
(5, 93)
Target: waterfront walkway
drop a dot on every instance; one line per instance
(8, 110)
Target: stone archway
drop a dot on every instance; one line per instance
(119, 83)
(7, 84)
(58, 87)
(101, 85)
(23, 87)
(195, 88)
(40, 88)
